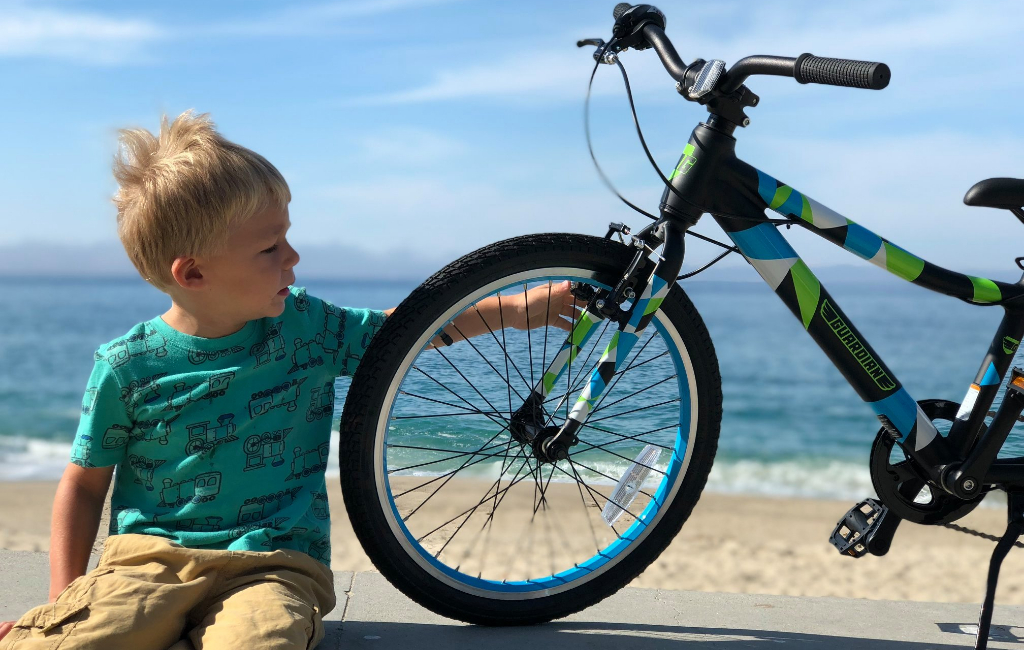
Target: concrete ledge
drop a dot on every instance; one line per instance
(372, 614)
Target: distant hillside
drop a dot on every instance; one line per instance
(337, 261)
(108, 259)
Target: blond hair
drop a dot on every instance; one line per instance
(180, 192)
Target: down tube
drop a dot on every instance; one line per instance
(776, 261)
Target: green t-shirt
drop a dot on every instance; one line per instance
(223, 443)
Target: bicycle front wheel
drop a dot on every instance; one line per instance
(466, 518)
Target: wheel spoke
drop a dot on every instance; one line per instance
(611, 478)
(471, 508)
(437, 401)
(623, 437)
(443, 415)
(441, 460)
(636, 410)
(471, 385)
(608, 499)
(580, 484)
(622, 372)
(593, 533)
(615, 380)
(529, 338)
(504, 348)
(474, 408)
(547, 317)
(452, 473)
(505, 378)
(609, 451)
(658, 383)
(581, 377)
(570, 390)
(471, 511)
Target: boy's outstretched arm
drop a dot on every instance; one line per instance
(544, 305)
(77, 508)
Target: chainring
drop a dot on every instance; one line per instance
(903, 489)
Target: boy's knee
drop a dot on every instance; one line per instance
(260, 615)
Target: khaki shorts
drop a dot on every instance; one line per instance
(150, 593)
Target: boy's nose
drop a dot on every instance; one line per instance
(292, 259)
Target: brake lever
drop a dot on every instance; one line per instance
(599, 43)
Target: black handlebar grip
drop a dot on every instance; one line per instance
(620, 9)
(840, 72)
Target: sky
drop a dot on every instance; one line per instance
(433, 127)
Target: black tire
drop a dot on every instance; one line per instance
(393, 347)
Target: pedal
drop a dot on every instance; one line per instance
(867, 528)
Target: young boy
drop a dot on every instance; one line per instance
(219, 532)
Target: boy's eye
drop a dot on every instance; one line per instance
(271, 249)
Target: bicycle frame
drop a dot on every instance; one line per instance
(710, 178)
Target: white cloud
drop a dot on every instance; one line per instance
(906, 188)
(431, 214)
(552, 73)
(31, 30)
(303, 20)
(27, 31)
(557, 71)
(407, 146)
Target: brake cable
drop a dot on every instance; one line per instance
(586, 128)
(599, 57)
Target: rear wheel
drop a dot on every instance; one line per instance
(461, 515)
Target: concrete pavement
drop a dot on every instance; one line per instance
(373, 615)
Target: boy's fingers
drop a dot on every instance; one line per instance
(571, 312)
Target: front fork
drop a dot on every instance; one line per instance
(551, 444)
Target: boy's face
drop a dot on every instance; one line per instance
(250, 279)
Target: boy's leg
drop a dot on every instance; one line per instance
(138, 597)
(273, 600)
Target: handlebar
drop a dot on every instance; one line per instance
(841, 72)
(666, 51)
(642, 26)
(805, 68)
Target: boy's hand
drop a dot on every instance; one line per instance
(5, 627)
(548, 304)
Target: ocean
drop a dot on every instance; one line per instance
(792, 426)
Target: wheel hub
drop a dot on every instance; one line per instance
(546, 452)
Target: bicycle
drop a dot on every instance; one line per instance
(423, 408)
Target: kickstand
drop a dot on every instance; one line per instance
(1014, 529)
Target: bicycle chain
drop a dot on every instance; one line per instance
(976, 533)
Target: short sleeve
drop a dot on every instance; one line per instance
(103, 431)
(343, 332)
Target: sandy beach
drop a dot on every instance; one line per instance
(731, 543)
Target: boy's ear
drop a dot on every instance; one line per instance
(185, 271)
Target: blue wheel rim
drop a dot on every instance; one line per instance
(613, 551)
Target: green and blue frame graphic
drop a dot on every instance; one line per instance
(881, 252)
(783, 270)
(857, 239)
